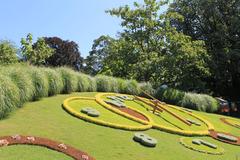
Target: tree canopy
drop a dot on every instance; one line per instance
(217, 23)
(36, 53)
(150, 49)
(8, 52)
(66, 53)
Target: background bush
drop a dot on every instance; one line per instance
(21, 83)
(200, 102)
(69, 78)
(8, 52)
(103, 83)
(9, 96)
(55, 83)
(132, 87)
(169, 95)
(40, 82)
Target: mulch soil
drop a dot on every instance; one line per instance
(132, 113)
(57, 146)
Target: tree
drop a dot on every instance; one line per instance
(94, 62)
(151, 49)
(216, 22)
(36, 53)
(8, 52)
(66, 53)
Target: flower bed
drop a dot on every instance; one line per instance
(44, 142)
(225, 137)
(229, 122)
(69, 109)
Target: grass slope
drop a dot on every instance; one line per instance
(46, 118)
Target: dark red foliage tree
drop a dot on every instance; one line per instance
(66, 53)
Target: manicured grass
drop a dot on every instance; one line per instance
(46, 118)
(22, 152)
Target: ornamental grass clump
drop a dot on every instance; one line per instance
(40, 83)
(9, 96)
(55, 83)
(83, 82)
(200, 102)
(147, 88)
(92, 84)
(69, 78)
(23, 81)
(132, 87)
(170, 95)
(122, 85)
(103, 83)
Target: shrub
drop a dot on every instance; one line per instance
(199, 102)
(103, 83)
(40, 83)
(8, 52)
(92, 84)
(83, 82)
(70, 80)
(170, 95)
(146, 87)
(132, 87)
(23, 82)
(122, 85)
(55, 83)
(9, 96)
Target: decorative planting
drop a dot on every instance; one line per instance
(90, 112)
(194, 122)
(230, 122)
(116, 103)
(44, 142)
(145, 139)
(80, 115)
(174, 130)
(201, 146)
(225, 137)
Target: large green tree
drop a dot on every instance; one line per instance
(8, 52)
(150, 49)
(36, 53)
(66, 53)
(217, 22)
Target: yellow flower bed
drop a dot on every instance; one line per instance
(109, 107)
(68, 108)
(183, 132)
(146, 124)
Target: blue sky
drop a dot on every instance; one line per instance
(79, 20)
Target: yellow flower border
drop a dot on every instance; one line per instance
(184, 132)
(146, 124)
(68, 108)
(100, 101)
(181, 141)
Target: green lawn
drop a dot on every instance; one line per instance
(46, 118)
